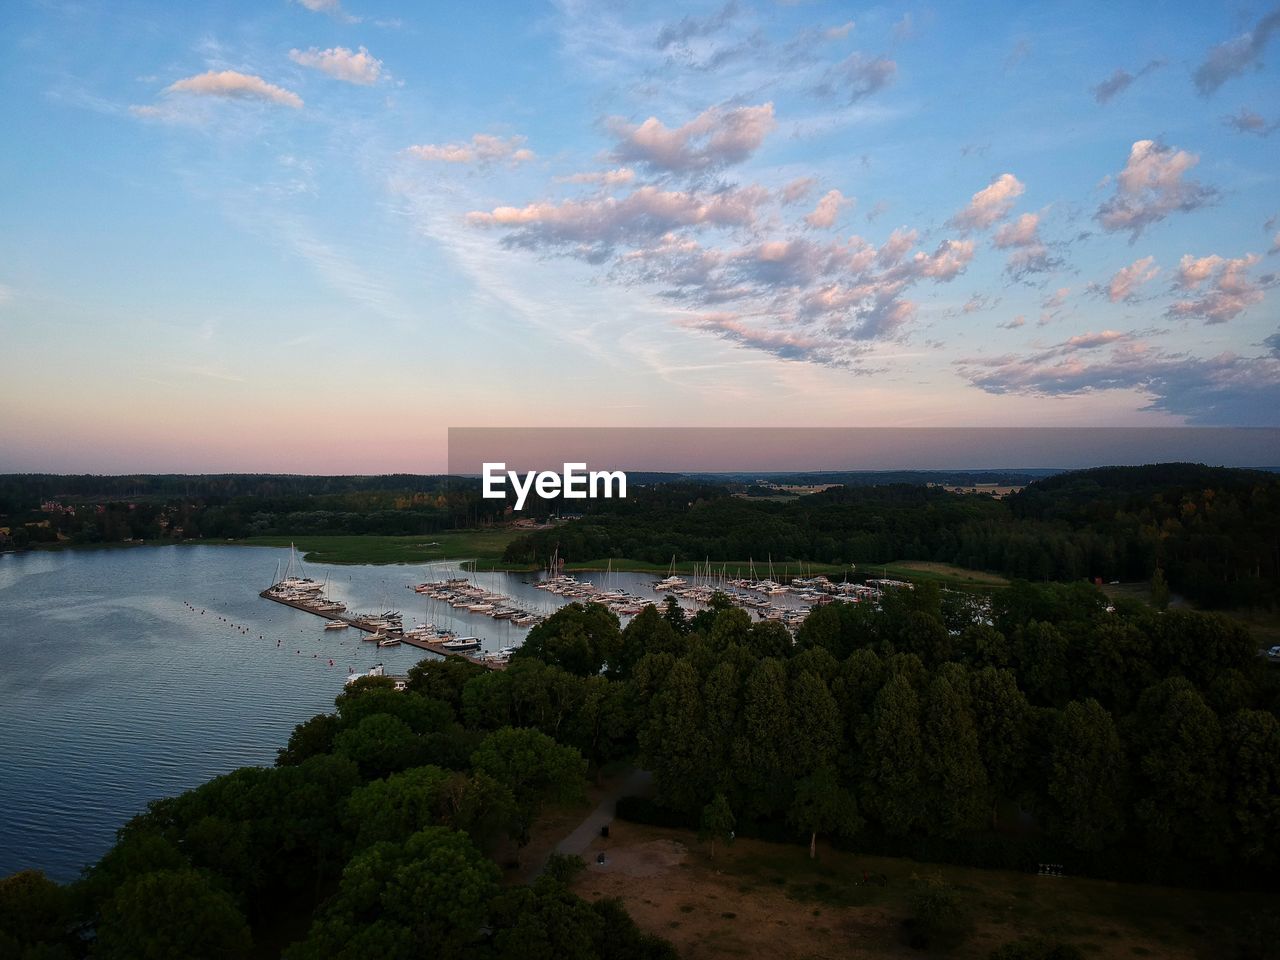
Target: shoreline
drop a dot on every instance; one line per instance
(374, 550)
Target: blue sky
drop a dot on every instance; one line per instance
(312, 235)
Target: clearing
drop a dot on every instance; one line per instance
(759, 899)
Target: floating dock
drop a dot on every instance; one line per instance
(430, 646)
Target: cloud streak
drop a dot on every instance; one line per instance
(482, 149)
(233, 85)
(1232, 57)
(360, 67)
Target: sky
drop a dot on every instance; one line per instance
(312, 235)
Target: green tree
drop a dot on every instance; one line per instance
(896, 758)
(1251, 742)
(1159, 590)
(580, 638)
(380, 745)
(1087, 786)
(426, 896)
(534, 767)
(674, 743)
(1176, 741)
(717, 822)
(401, 805)
(823, 805)
(172, 913)
(763, 749)
(35, 912)
(956, 781)
(1002, 717)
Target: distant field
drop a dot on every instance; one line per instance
(942, 572)
(733, 568)
(486, 544)
(765, 899)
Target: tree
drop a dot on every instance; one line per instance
(940, 919)
(1002, 716)
(674, 742)
(816, 724)
(763, 749)
(34, 912)
(399, 806)
(534, 767)
(1159, 590)
(426, 896)
(895, 758)
(581, 638)
(822, 805)
(956, 782)
(311, 738)
(648, 632)
(1087, 785)
(380, 745)
(443, 679)
(717, 822)
(1175, 739)
(1251, 741)
(172, 913)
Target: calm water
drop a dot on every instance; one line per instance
(132, 674)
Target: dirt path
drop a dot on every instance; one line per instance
(635, 783)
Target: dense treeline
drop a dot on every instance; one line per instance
(1213, 532)
(380, 821)
(1136, 744)
(232, 507)
(1041, 726)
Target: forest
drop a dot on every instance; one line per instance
(1213, 532)
(1044, 725)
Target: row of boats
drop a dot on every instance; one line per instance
(460, 593)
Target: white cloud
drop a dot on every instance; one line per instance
(828, 210)
(797, 190)
(715, 138)
(1151, 186)
(1224, 288)
(990, 204)
(332, 7)
(230, 84)
(1125, 281)
(342, 64)
(482, 149)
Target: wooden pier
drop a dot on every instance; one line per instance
(430, 646)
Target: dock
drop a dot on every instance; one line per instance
(428, 645)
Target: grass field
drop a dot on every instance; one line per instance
(482, 545)
(944, 573)
(763, 899)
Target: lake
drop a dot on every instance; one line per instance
(135, 673)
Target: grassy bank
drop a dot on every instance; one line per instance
(483, 545)
(765, 899)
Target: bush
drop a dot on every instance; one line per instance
(940, 919)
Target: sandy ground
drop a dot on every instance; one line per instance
(706, 913)
(739, 905)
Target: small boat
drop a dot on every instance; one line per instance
(506, 651)
(389, 642)
(336, 625)
(377, 636)
(462, 643)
